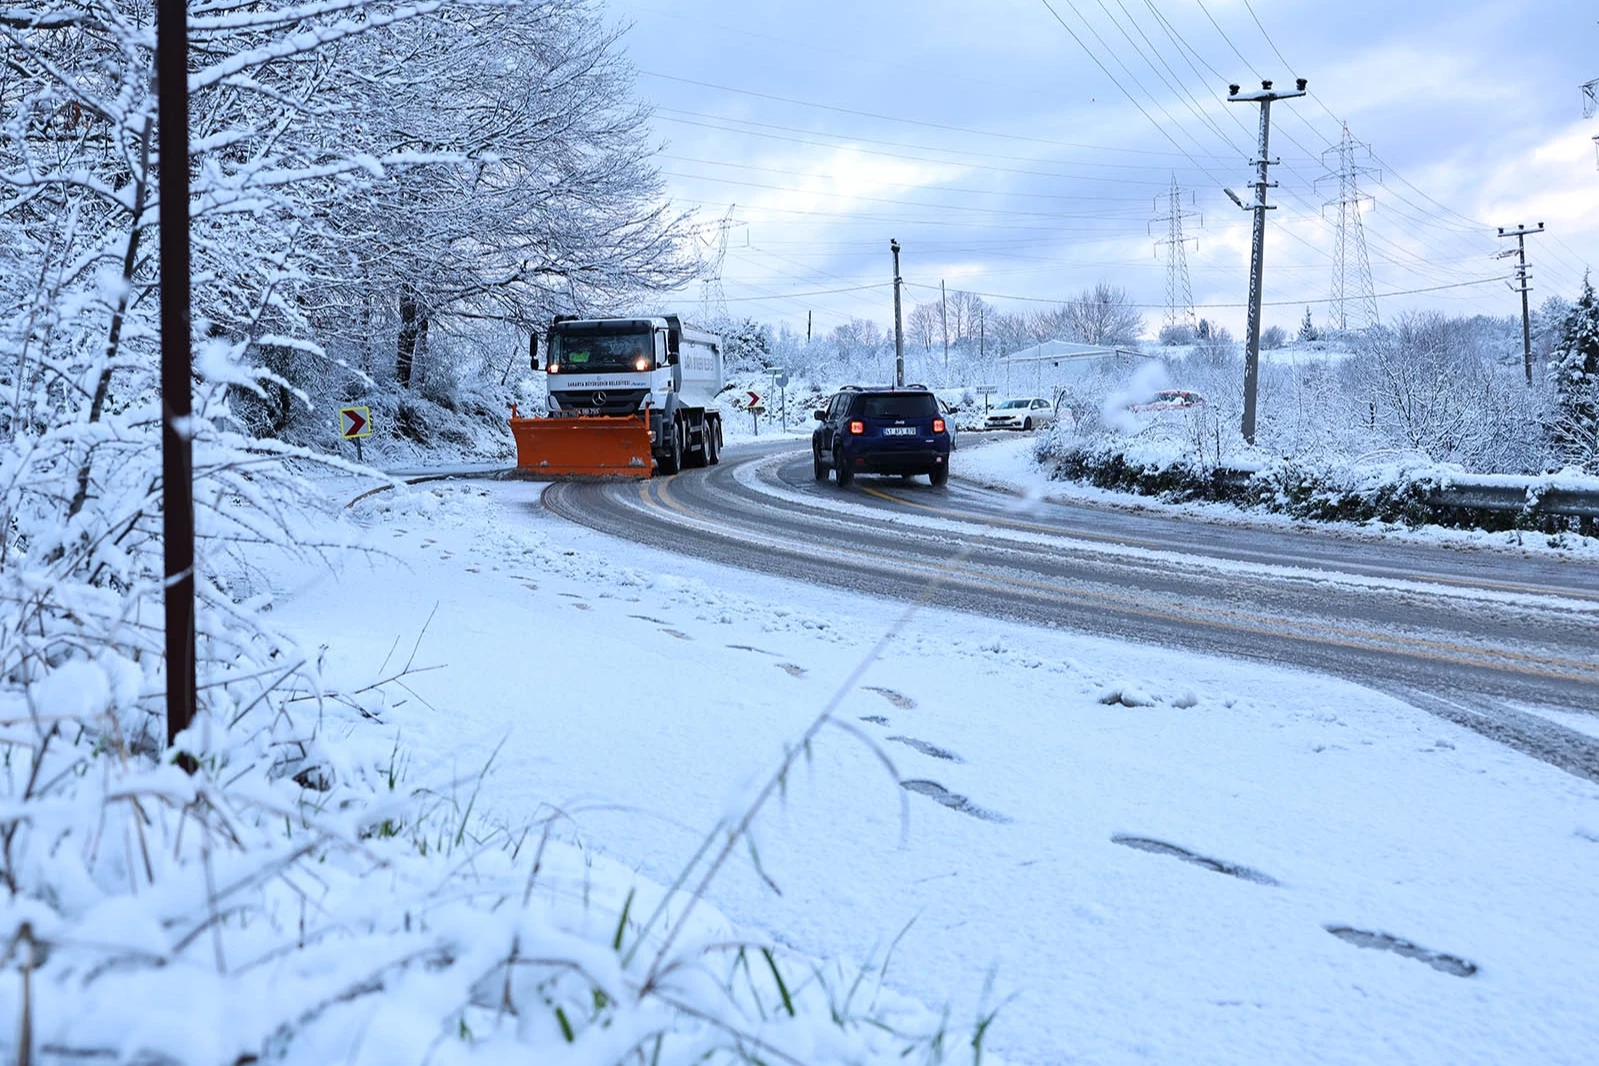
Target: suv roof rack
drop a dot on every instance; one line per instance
(917, 385)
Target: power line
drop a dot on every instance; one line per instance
(1227, 306)
(911, 121)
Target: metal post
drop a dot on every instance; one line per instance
(943, 317)
(899, 325)
(177, 450)
(1523, 286)
(1257, 249)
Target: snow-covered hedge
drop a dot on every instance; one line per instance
(1396, 491)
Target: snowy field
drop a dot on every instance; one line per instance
(1136, 855)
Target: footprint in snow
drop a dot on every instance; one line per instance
(955, 802)
(1127, 697)
(1160, 847)
(677, 633)
(928, 749)
(904, 703)
(875, 719)
(647, 618)
(581, 606)
(1361, 938)
(747, 647)
(791, 670)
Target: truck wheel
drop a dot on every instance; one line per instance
(841, 469)
(713, 447)
(695, 456)
(671, 461)
(817, 466)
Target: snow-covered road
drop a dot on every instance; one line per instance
(1145, 850)
(1487, 628)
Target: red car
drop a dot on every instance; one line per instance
(1170, 400)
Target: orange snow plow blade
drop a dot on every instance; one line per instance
(583, 446)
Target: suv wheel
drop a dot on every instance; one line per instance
(818, 467)
(841, 469)
(939, 475)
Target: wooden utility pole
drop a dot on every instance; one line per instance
(1523, 285)
(1257, 253)
(899, 324)
(177, 448)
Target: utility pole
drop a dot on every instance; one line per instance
(899, 324)
(177, 447)
(1257, 251)
(943, 317)
(807, 328)
(1523, 285)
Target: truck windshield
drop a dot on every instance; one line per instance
(577, 352)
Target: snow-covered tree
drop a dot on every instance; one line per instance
(1574, 374)
(1307, 328)
(1102, 315)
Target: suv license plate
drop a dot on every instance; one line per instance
(899, 431)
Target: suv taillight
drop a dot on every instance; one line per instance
(857, 428)
(938, 425)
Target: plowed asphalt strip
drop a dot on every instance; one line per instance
(1440, 628)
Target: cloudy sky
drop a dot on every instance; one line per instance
(1024, 149)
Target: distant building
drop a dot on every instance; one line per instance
(1056, 368)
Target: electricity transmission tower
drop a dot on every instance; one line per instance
(1590, 103)
(713, 299)
(1179, 291)
(1350, 232)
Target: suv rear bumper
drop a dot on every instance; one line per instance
(921, 459)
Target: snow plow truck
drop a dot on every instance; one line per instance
(628, 397)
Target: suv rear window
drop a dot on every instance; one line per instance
(899, 405)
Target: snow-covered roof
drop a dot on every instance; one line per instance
(1056, 350)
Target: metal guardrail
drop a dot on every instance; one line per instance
(1578, 503)
(1495, 493)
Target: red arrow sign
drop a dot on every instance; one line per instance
(352, 422)
(754, 399)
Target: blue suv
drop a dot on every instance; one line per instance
(881, 431)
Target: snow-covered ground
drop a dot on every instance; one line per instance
(1136, 854)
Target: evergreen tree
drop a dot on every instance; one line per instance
(1574, 373)
(1307, 329)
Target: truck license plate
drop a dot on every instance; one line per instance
(899, 431)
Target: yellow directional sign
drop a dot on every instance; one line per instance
(355, 422)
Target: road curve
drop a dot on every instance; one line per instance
(1483, 638)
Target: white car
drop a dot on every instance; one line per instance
(1026, 412)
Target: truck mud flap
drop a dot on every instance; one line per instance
(589, 446)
